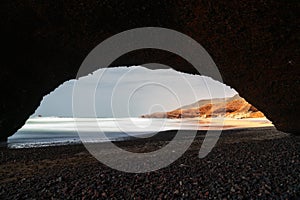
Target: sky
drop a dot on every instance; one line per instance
(129, 92)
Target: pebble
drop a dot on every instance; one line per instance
(264, 169)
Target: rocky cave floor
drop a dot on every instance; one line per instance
(259, 163)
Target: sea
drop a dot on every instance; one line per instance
(52, 131)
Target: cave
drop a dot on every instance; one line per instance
(254, 44)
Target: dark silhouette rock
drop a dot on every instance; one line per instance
(254, 44)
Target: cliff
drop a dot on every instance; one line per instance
(233, 107)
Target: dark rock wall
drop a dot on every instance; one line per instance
(255, 44)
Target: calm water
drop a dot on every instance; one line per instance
(49, 131)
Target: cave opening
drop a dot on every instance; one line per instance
(135, 100)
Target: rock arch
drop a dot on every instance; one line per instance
(254, 44)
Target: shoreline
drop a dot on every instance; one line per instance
(249, 163)
(19, 144)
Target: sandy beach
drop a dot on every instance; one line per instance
(253, 163)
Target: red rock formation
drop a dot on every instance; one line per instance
(234, 107)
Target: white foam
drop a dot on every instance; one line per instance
(48, 131)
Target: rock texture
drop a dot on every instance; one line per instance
(234, 107)
(255, 44)
(245, 164)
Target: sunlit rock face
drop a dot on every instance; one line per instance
(234, 107)
(254, 44)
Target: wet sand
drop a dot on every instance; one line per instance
(257, 163)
